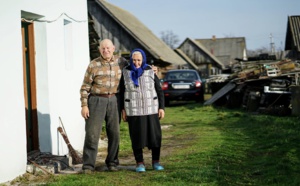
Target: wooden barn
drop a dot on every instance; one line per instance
(127, 32)
(227, 49)
(206, 63)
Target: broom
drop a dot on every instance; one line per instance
(75, 158)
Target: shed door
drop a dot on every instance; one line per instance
(30, 86)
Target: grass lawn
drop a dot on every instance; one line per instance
(204, 145)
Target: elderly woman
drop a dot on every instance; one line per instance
(142, 107)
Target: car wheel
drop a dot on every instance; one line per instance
(200, 99)
(167, 102)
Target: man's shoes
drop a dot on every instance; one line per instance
(112, 168)
(140, 168)
(157, 166)
(86, 171)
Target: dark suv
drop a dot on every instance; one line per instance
(184, 84)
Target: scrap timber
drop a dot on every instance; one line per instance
(264, 86)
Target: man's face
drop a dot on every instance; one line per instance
(137, 60)
(107, 50)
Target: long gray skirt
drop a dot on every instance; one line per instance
(144, 131)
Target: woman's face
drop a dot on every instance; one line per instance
(137, 60)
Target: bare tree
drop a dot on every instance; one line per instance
(169, 38)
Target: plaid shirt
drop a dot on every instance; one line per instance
(102, 77)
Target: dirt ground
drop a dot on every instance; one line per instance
(128, 162)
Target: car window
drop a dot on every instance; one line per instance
(181, 75)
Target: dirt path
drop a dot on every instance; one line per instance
(128, 162)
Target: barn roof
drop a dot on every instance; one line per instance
(225, 49)
(142, 34)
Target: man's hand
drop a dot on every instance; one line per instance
(85, 112)
(155, 69)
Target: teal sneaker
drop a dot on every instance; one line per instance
(140, 168)
(157, 166)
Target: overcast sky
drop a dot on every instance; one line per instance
(256, 20)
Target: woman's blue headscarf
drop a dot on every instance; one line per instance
(137, 72)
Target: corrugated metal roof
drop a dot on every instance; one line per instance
(292, 40)
(225, 49)
(142, 34)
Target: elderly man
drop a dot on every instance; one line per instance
(100, 102)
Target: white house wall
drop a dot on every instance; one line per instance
(57, 82)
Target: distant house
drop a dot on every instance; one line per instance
(127, 33)
(292, 40)
(190, 64)
(225, 49)
(44, 54)
(197, 53)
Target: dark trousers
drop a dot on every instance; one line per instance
(101, 109)
(138, 154)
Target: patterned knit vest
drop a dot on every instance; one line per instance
(141, 100)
